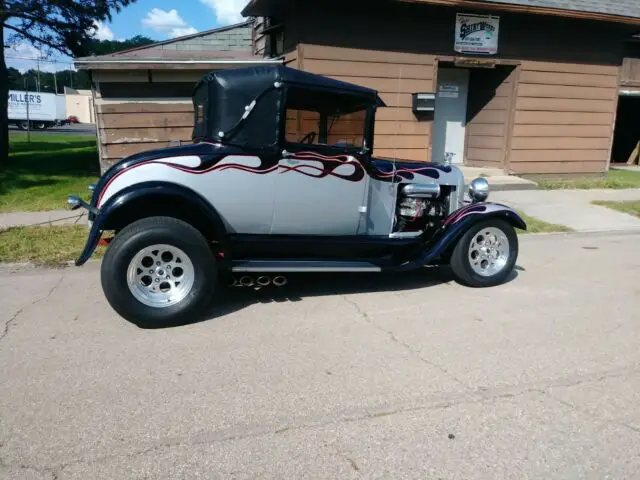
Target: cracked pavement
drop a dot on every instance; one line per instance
(408, 376)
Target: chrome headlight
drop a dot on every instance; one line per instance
(479, 189)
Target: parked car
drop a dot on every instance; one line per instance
(72, 119)
(281, 178)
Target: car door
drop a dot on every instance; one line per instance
(319, 192)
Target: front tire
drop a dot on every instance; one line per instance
(159, 271)
(486, 254)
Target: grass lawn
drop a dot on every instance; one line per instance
(632, 207)
(613, 179)
(538, 226)
(42, 173)
(43, 245)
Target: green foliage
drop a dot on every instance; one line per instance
(66, 26)
(41, 174)
(105, 47)
(43, 245)
(632, 207)
(30, 80)
(535, 225)
(613, 179)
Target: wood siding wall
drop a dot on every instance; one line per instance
(564, 117)
(128, 128)
(395, 75)
(559, 119)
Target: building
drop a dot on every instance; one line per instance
(142, 96)
(79, 104)
(530, 86)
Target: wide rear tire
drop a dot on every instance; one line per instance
(158, 272)
(486, 254)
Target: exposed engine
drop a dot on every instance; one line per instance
(420, 207)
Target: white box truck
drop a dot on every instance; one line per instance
(40, 110)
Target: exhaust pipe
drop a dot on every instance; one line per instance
(246, 281)
(233, 282)
(280, 281)
(263, 281)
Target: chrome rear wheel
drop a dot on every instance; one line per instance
(160, 276)
(159, 271)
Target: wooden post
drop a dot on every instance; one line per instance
(634, 155)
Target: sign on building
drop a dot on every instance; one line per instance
(476, 34)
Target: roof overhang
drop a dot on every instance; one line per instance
(268, 7)
(164, 64)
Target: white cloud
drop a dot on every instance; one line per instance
(162, 20)
(226, 11)
(25, 56)
(182, 31)
(102, 31)
(169, 23)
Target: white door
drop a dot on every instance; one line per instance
(450, 115)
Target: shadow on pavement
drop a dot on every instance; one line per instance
(228, 300)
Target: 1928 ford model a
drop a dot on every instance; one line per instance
(280, 178)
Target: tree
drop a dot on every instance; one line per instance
(105, 47)
(67, 26)
(64, 78)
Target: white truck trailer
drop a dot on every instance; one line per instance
(36, 110)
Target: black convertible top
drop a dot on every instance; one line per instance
(221, 98)
(262, 77)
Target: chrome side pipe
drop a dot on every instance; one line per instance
(280, 281)
(246, 281)
(263, 281)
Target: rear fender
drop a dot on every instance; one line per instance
(124, 205)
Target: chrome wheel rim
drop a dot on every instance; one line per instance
(489, 251)
(160, 276)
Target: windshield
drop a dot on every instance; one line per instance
(319, 118)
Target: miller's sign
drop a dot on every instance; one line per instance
(476, 34)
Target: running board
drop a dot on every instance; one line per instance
(302, 266)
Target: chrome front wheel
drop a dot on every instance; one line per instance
(489, 251)
(486, 254)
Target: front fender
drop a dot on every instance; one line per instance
(125, 198)
(456, 225)
(476, 212)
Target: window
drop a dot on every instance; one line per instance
(320, 118)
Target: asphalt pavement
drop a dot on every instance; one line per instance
(334, 377)
(88, 129)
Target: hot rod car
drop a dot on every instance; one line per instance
(280, 178)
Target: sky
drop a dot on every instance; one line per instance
(156, 19)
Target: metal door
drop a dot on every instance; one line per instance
(450, 115)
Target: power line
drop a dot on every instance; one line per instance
(11, 57)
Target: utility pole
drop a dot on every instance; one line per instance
(55, 78)
(26, 89)
(38, 67)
